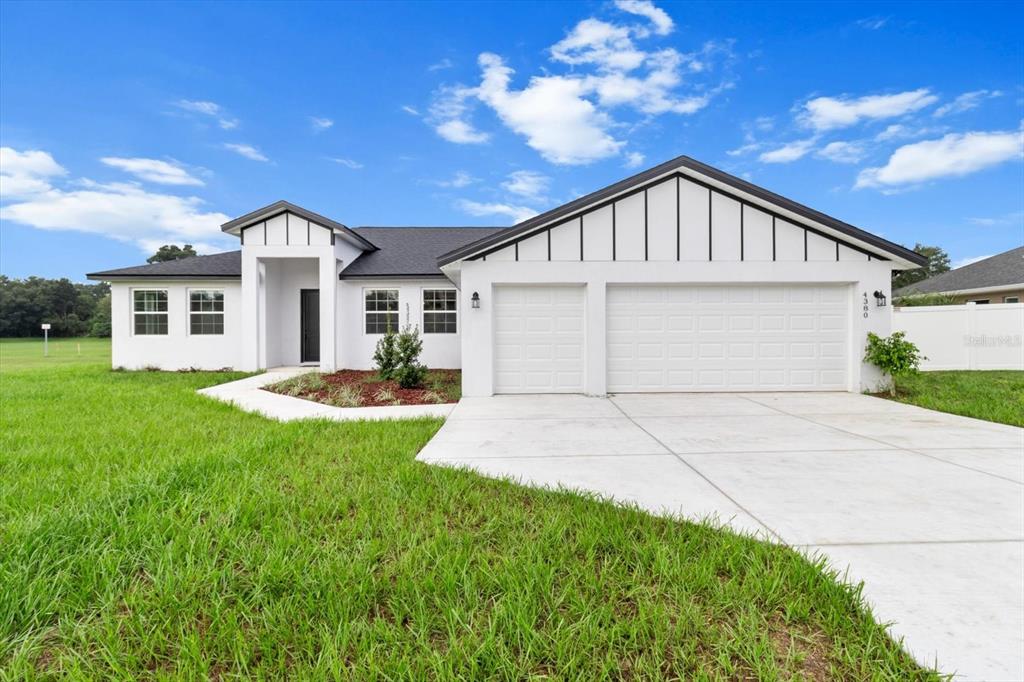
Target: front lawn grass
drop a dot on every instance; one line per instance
(148, 532)
(996, 396)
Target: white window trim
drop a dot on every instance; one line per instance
(134, 312)
(188, 310)
(1016, 299)
(364, 311)
(423, 312)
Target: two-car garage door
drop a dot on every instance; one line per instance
(727, 338)
(675, 338)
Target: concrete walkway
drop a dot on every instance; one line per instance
(249, 395)
(926, 508)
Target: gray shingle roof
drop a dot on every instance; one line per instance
(999, 270)
(410, 251)
(227, 264)
(402, 251)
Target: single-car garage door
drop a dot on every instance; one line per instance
(538, 339)
(727, 338)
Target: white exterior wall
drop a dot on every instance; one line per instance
(178, 349)
(440, 351)
(966, 336)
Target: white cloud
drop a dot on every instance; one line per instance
(956, 154)
(459, 180)
(966, 102)
(461, 132)
(122, 211)
(412, 111)
(26, 173)
(900, 131)
(567, 117)
(828, 113)
(153, 170)
(634, 160)
(789, 152)
(663, 23)
(320, 124)
(842, 152)
(873, 23)
(967, 261)
(207, 108)
(348, 163)
(517, 213)
(246, 150)
(528, 184)
(551, 113)
(441, 65)
(1015, 218)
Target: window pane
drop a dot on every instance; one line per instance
(150, 324)
(150, 301)
(206, 323)
(210, 300)
(439, 323)
(439, 306)
(381, 306)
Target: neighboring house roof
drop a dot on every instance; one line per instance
(602, 195)
(216, 265)
(400, 252)
(995, 272)
(410, 251)
(278, 207)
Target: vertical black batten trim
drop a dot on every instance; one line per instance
(645, 225)
(484, 258)
(678, 211)
(805, 244)
(549, 243)
(308, 243)
(869, 256)
(241, 234)
(517, 251)
(773, 238)
(742, 211)
(837, 252)
(581, 238)
(287, 229)
(264, 233)
(711, 224)
(613, 230)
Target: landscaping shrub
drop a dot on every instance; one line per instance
(924, 299)
(386, 395)
(894, 355)
(409, 373)
(385, 356)
(345, 395)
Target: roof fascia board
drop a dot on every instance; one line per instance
(966, 292)
(100, 277)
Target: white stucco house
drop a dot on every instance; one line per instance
(680, 278)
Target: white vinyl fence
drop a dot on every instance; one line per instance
(970, 336)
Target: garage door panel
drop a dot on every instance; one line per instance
(538, 339)
(727, 338)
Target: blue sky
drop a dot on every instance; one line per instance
(128, 125)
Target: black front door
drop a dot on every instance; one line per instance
(310, 323)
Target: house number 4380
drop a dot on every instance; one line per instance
(865, 304)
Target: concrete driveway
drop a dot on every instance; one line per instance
(926, 508)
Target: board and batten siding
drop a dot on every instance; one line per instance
(677, 219)
(286, 229)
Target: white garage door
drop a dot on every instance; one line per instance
(727, 338)
(538, 339)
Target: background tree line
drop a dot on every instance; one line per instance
(72, 309)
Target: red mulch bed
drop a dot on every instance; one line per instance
(369, 383)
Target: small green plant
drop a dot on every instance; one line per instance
(311, 382)
(387, 396)
(409, 373)
(434, 397)
(345, 395)
(894, 355)
(385, 356)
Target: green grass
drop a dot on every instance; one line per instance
(996, 396)
(148, 532)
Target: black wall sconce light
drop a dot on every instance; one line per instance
(879, 299)
(475, 299)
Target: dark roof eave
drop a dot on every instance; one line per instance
(105, 277)
(704, 169)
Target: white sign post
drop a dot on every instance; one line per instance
(46, 340)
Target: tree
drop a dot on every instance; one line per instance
(100, 325)
(68, 307)
(938, 262)
(171, 252)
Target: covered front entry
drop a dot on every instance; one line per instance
(728, 338)
(309, 322)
